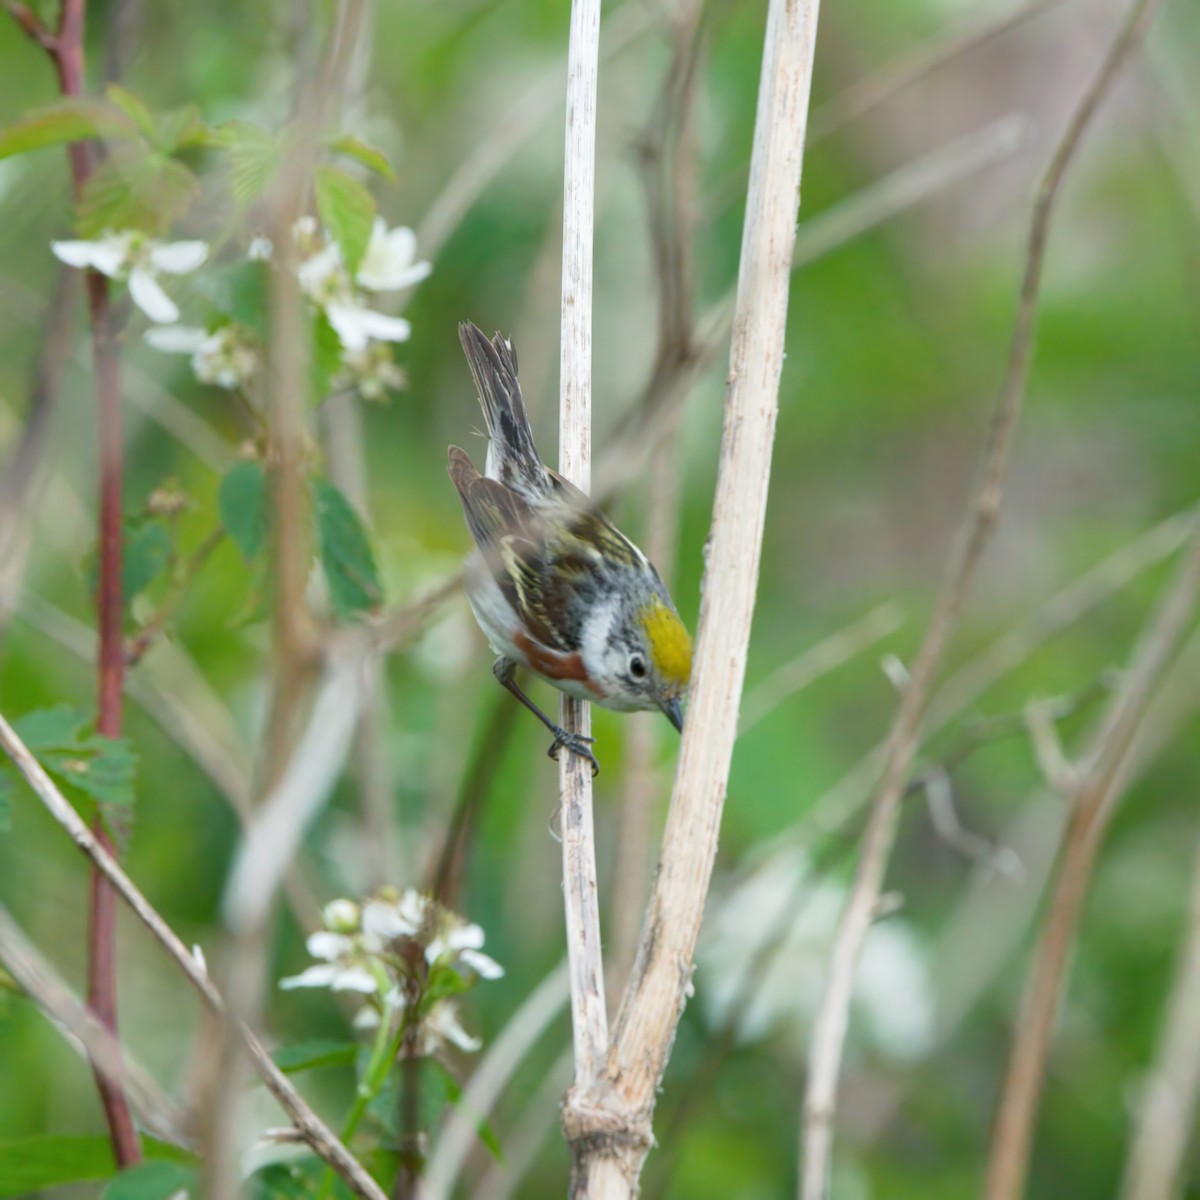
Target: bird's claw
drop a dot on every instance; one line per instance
(577, 743)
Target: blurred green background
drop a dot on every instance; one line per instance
(896, 344)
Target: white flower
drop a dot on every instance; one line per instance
(461, 945)
(356, 325)
(228, 357)
(372, 371)
(138, 260)
(260, 249)
(384, 920)
(335, 977)
(342, 916)
(342, 970)
(483, 965)
(389, 262)
(441, 1025)
(324, 280)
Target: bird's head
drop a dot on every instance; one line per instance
(648, 659)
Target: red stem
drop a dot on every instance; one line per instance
(67, 56)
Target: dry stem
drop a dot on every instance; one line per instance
(611, 1122)
(155, 1110)
(829, 1031)
(1167, 1112)
(310, 1127)
(589, 1017)
(1093, 800)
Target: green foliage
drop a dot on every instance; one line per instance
(326, 357)
(360, 152)
(146, 554)
(444, 981)
(135, 188)
(103, 770)
(288, 1181)
(348, 211)
(150, 1181)
(33, 1164)
(242, 503)
(346, 555)
(65, 121)
(308, 1056)
(255, 155)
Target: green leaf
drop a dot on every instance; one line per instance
(255, 155)
(33, 1164)
(181, 128)
(135, 189)
(5, 802)
(326, 357)
(150, 1181)
(103, 769)
(242, 503)
(307, 1056)
(360, 152)
(348, 211)
(443, 981)
(288, 1181)
(147, 552)
(70, 120)
(241, 292)
(346, 555)
(56, 728)
(134, 107)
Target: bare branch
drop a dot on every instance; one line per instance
(612, 1120)
(154, 1109)
(816, 661)
(589, 1017)
(829, 1031)
(310, 1126)
(1107, 767)
(915, 64)
(506, 1053)
(1166, 1114)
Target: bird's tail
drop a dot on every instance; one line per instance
(512, 457)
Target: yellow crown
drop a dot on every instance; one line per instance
(670, 644)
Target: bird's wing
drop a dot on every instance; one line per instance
(512, 538)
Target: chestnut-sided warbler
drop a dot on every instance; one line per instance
(554, 585)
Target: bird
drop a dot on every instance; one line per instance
(552, 582)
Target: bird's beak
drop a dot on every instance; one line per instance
(674, 712)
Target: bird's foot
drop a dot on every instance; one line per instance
(577, 743)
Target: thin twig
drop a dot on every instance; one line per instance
(829, 1030)
(816, 661)
(507, 1052)
(65, 49)
(838, 805)
(277, 827)
(539, 1118)
(1166, 1113)
(1093, 801)
(23, 471)
(913, 65)
(310, 1127)
(880, 201)
(477, 169)
(39, 980)
(612, 1121)
(589, 1017)
(667, 155)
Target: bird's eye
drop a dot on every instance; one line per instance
(637, 666)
